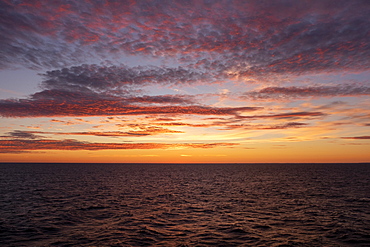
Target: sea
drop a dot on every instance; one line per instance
(184, 205)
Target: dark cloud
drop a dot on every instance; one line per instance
(22, 135)
(139, 131)
(54, 103)
(290, 115)
(357, 137)
(21, 145)
(162, 99)
(245, 38)
(118, 79)
(228, 125)
(289, 93)
(288, 125)
(284, 126)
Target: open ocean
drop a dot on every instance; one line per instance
(185, 205)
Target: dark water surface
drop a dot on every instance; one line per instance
(184, 205)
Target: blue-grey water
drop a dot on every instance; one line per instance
(185, 205)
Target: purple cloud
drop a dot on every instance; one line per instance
(118, 79)
(251, 38)
(289, 93)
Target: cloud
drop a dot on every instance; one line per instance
(357, 137)
(141, 131)
(118, 79)
(22, 135)
(23, 145)
(182, 124)
(67, 123)
(239, 38)
(283, 126)
(288, 125)
(291, 115)
(229, 125)
(54, 103)
(289, 93)
(162, 99)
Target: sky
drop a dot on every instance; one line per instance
(185, 81)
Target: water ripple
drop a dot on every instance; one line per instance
(184, 205)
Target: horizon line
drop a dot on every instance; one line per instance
(185, 163)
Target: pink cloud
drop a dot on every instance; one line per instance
(54, 103)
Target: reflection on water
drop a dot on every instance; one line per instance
(184, 205)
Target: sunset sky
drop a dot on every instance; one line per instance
(185, 81)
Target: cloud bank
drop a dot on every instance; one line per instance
(26, 145)
(237, 38)
(290, 93)
(55, 103)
